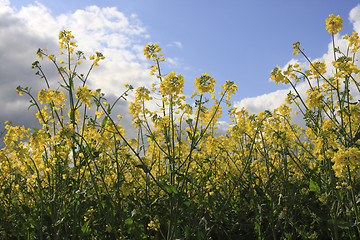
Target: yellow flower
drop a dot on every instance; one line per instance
(205, 84)
(153, 69)
(288, 100)
(346, 158)
(230, 88)
(99, 114)
(277, 76)
(84, 95)
(151, 50)
(18, 90)
(314, 99)
(154, 224)
(172, 84)
(65, 37)
(95, 62)
(318, 68)
(334, 23)
(108, 228)
(296, 47)
(193, 94)
(353, 41)
(50, 56)
(39, 54)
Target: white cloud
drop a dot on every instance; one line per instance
(178, 44)
(104, 29)
(354, 17)
(97, 27)
(38, 20)
(119, 37)
(172, 61)
(4, 4)
(267, 101)
(273, 100)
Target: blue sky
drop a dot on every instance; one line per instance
(236, 40)
(239, 40)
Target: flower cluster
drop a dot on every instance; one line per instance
(96, 58)
(65, 41)
(47, 96)
(205, 84)
(84, 95)
(353, 41)
(151, 52)
(172, 84)
(334, 23)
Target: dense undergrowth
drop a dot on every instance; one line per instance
(80, 176)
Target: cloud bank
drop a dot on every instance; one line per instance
(119, 37)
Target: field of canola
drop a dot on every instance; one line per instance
(80, 176)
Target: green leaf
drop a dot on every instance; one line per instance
(341, 224)
(84, 228)
(65, 87)
(144, 167)
(189, 134)
(314, 187)
(72, 84)
(187, 203)
(173, 189)
(129, 221)
(170, 188)
(104, 121)
(31, 105)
